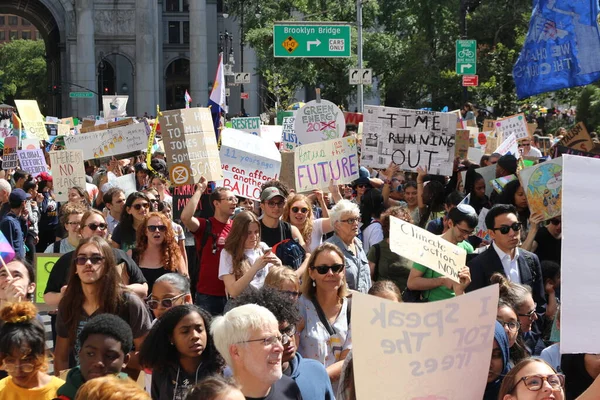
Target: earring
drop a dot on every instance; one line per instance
(314, 284)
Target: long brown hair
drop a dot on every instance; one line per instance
(509, 381)
(109, 295)
(236, 240)
(89, 213)
(307, 228)
(170, 253)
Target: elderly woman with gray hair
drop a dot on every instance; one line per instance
(345, 217)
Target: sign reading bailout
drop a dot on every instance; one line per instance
(317, 163)
(319, 120)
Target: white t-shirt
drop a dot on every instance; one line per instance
(372, 235)
(316, 238)
(534, 152)
(226, 264)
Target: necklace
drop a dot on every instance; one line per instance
(184, 382)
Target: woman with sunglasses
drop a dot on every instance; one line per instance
(169, 290)
(156, 251)
(94, 288)
(532, 379)
(298, 212)
(345, 217)
(23, 355)
(285, 280)
(181, 352)
(137, 207)
(325, 336)
(245, 260)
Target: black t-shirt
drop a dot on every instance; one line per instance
(272, 236)
(548, 247)
(60, 272)
(284, 389)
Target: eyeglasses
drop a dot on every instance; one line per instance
(287, 333)
(512, 326)
(156, 228)
(95, 260)
(74, 223)
(291, 293)
(361, 186)
(536, 382)
(268, 341)
(531, 313)
(11, 367)
(303, 210)
(165, 303)
(231, 199)
(154, 200)
(102, 226)
(526, 144)
(139, 206)
(323, 269)
(350, 221)
(504, 229)
(468, 232)
(555, 221)
(273, 204)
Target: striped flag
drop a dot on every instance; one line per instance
(188, 99)
(218, 98)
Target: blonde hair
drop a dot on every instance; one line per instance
(307, 228)
(307, 287)
(111, 388)
(279, 274)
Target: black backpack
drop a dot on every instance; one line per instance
(289, 251)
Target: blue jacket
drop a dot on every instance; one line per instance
(12, 230)
(492, 388)
(312, 379)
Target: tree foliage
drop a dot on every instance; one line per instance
(23, 71)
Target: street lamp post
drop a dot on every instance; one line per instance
(359, 50)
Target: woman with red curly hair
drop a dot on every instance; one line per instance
(156, 251)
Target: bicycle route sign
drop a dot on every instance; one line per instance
(466, 57)
(317, 40)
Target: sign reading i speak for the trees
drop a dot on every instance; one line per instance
(319, 120)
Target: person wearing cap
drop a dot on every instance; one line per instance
(13, 224)
(362, 184)
(272, 229)
(141, 176)
(462, 221)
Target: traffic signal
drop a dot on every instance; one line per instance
(105, 90)
(49, 89)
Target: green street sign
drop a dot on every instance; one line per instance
(306, 40)
(466, 57)
(79, 95)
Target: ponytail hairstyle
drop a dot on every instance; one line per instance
(21, 331)
(511, 293)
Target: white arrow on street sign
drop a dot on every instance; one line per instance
(463, 67)
(354, 76)
(360, 76)
(316, 43)
(367, 76)
(242, 77)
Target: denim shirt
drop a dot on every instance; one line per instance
(358, 273)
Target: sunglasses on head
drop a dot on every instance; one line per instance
(140, 205)
(555, 221)
(323, 269)
(504, 229)
(102, 226)
(303, 210)
(165, 303)
(157, 228)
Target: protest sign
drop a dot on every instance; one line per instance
(560, 150)
(461, 148)
(109, 142)
(290, 140)
(423, 247)
(488, 125)
(114, 106)
(5, 132)
(317, 163)
(513, 125)
(63, 130)
(319, 120)
(577, 138)
(67, 171)
(9, 154)
(287, 173)
(474, 154)
(33, 120)
(44, 262)
(488, 173)
(67, 121)
(409, 138)
(271, 132)
(542, 184)
(441, 349)
(30, 144)
(482, 231)
(247, 161)
(191, 146)
(492, 143)
(125, 182)
(353, 118)
(247, 124)
(579, 330)
(499, 183)
(509, 146)
(32, 161)
(481, 139)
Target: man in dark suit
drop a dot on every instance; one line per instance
(505, 257)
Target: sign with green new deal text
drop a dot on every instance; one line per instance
(311, 40)
(466, 57)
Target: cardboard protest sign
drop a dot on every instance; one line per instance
(513, 125)
(462, 143)
(499, 183)
(492, 143)
(114, 106)
(287, 173)
(425, 248)
(290, 140)
(441, 349)
(482, 231)
(319, 120)
(63, 129)
(32, 161)
(481, 139)
(30, 144)
(488, 125)
(579, 330)
(109, 142)
(560, 150)
(44, 262)
(247, 161)
(509, 146)
(190, 146)
(67, 121)
(578, 138)
(317, 163)
(488, 173)
(247, 124)
(126, 183)
(542, 184)
(410, 138)
(32, 118)
(271, 132)
(67, 171)
(9, 154)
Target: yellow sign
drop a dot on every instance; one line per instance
(32, 118)
(290, 44)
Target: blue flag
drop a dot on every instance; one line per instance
(562, 47)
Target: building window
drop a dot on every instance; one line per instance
(173, 5)
(186, 32)
(13, 35)
(26, 35)
(2, 35)
(37, 35)
(2, 20)
(177, 6)
(174, 32)
(13, 20)
(24, 22)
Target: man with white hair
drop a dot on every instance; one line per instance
(249, 340)
(5, 190)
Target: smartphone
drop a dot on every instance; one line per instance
(268, 250)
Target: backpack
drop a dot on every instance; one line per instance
(289, 251)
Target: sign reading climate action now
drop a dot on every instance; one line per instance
(311, 40)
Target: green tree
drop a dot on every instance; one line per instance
(23, 71)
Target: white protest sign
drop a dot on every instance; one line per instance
(247, 124)
(482, 231)
(319, 120)
(63, 129)
(109, 142)
(9, 154)
(290, 140)
(67, 171)
(30, 144)
(474, 154)
(32, 161)
(488, 173)
(441, 349)
(114, 106)
(410, 138)
(513, 125)
(315, 164)
(509, 146)
(247, 162)
(423, 247)
(579, 330)
(271, 132)
(125, 182)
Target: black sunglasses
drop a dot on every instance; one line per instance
(140, 205)
(555, 221)
(157, 228)
(303, 210)
(504, 229)
(323, 269)
(102, 226)
(82, 260)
